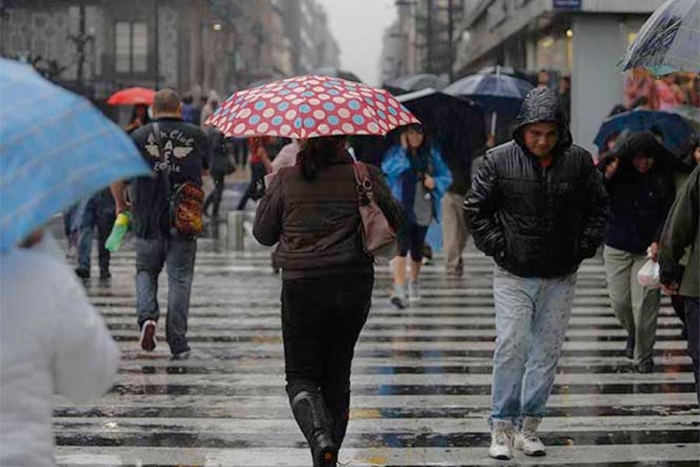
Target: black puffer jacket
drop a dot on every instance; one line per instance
(537, 221)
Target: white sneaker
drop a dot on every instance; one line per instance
(398, 298)
(527, 441)
(501, 444)
(148, 336)
(413, 292)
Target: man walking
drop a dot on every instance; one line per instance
(95, 212)
(679, 234)
(177, 152)
(537, 206)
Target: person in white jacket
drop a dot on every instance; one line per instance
(52, 341)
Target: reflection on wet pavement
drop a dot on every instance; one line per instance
(421, 380)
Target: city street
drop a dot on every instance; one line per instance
(420, 385)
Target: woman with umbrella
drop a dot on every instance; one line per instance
(639, 178)
(311, 212)
(419, 179)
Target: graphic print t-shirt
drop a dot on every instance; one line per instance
(185, 155)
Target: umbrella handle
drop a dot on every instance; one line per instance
(494, 117)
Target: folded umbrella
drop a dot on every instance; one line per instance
(669, 40)
(132, 96)
(674, 129)
(56, 149)
(310, 107)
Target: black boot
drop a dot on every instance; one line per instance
(312, 417)
(337, 399)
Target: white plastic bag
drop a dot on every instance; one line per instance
(648, 275)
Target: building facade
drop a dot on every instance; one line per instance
(583, 39)
(195, 46)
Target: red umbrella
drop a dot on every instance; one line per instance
(310, 106)
(132, 96)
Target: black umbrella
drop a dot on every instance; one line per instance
(646, 143)
(456, 124)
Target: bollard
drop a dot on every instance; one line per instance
(235, 230)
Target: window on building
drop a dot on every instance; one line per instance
(131, 47)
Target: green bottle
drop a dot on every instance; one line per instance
(121, 226)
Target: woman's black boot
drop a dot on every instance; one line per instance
(337, 399)
(312, 417)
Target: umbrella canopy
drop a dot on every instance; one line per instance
(690, 113)
(498, 93)
(56, 149)
(669, 41)
(645, 142)
(674, 128)
(132, 96)
(336, 73)
(417, 82)
(490, 85)
(506, 70)
(455, 123)
(309, 107)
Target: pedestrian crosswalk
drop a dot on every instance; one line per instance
(420, 384)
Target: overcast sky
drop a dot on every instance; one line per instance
(358, 26)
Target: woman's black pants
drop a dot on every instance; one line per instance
(321, 321)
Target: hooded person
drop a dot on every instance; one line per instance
(639, 179)
(537, 206)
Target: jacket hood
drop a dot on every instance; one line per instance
(541, 105)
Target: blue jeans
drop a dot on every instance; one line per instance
(179, 256)
(532, 315)
(93, 215)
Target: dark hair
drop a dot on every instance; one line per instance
(317, 153)
(566, 79)
(135, 115)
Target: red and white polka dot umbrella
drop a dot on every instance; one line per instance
(309, 107)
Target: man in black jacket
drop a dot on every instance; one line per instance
(537, 206)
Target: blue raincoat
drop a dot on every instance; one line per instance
(396, 164)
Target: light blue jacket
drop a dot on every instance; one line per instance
(394, 165)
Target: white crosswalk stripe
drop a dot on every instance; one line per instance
(421, 380)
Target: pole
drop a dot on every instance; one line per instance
(80, 43)
(450, 50)
(494, 116)
(430, 36)
(236, 232)
(156, 44)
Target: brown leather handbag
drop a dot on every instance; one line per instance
(377, 235)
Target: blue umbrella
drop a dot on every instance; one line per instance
(495, 93)
(674, 128)
(669, 41)
(56, 149)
